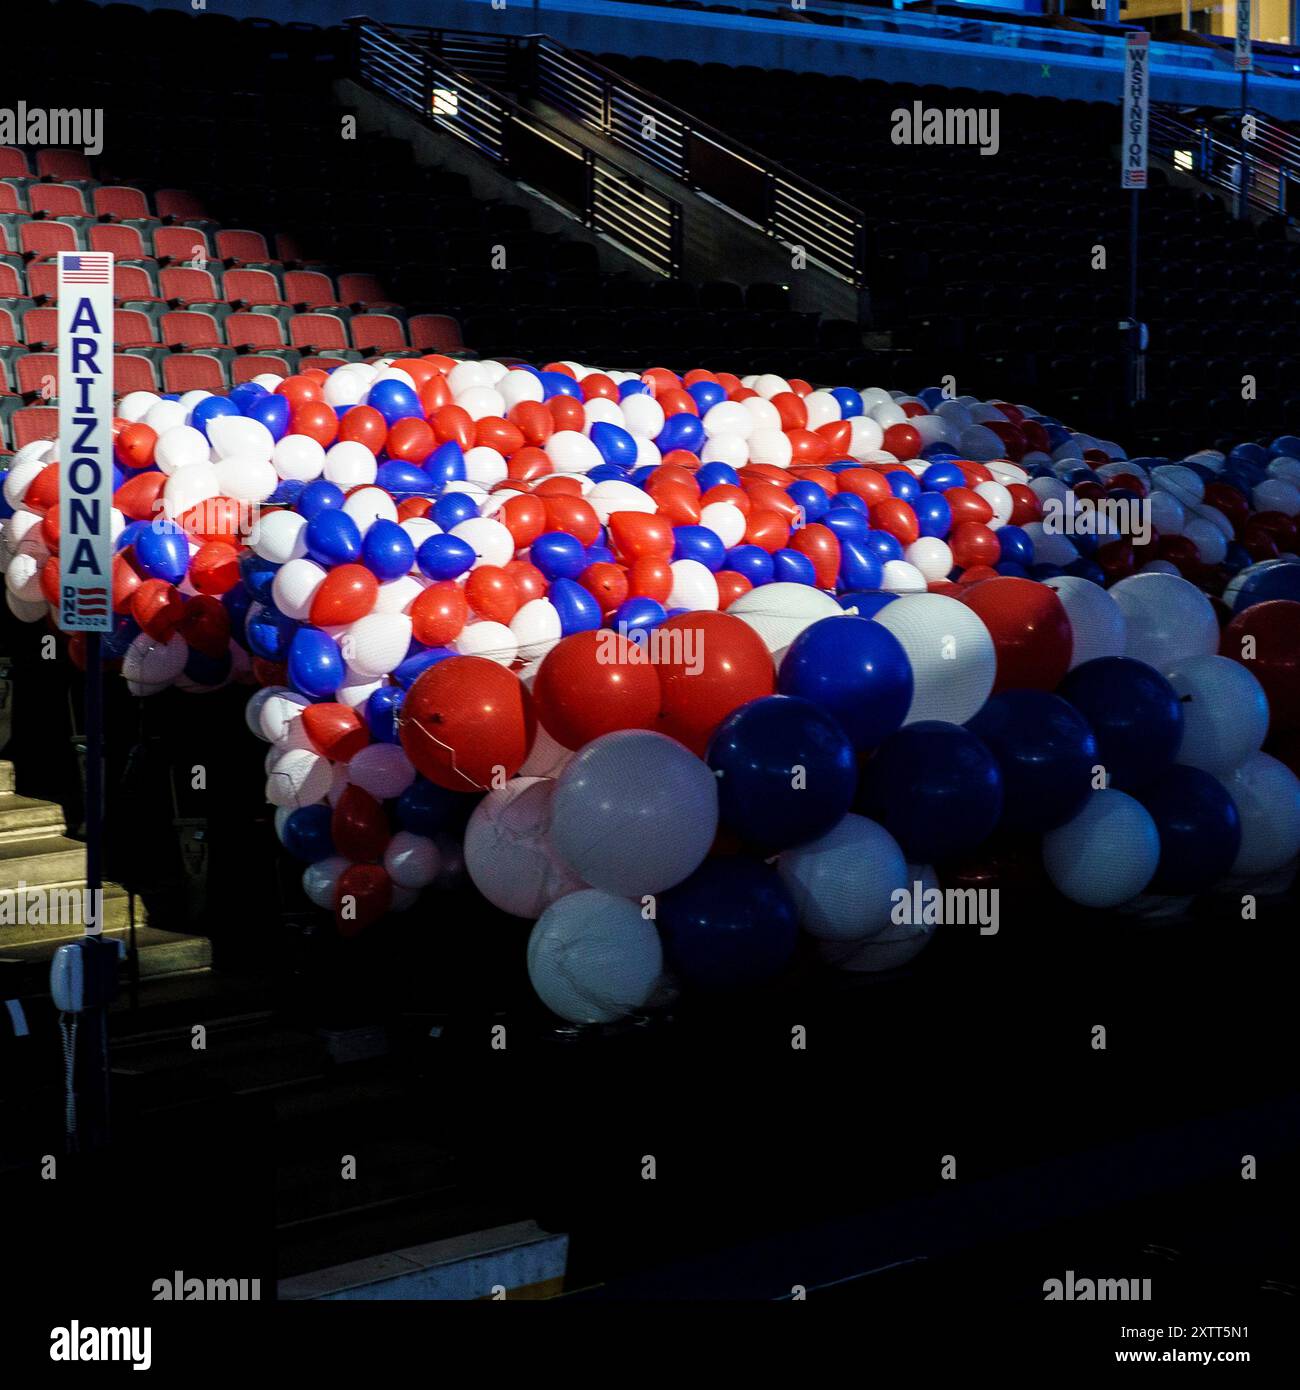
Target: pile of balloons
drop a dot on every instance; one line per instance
(679, 667)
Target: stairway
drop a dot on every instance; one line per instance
(43, 874)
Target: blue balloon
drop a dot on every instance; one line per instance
(935, 787)
(1199, 827)
(445, 557)
(237, 601)
(729, 926)
(578, 610)
(1016, 545)
(1135, 714)
(682, 431)
(1260, 583)
(306, 834)
(608, 473)
(273, 411)
(332, 538)
(1041, 572)
(401, 480)
(849, 501)
(1087, 569)
(560, 384)
(125, 630)
(417, 663)
(755, 753)
(1011, 569)
(860, 567)
(753, 562)
(599, 554)
(885, 545)
(792, 567)
(446, 465)
(850, 401)
(903, 485)
(258, 575)
(246, 392)
(847, 523)
(632, 388)
(287, 492)
(211, 408)
(315, 663)
(320, 496)
(616, 445)
(558, 555)
(425, 808)
(381, 713)
(394, 400)
(1046, 753)
(387, 551)
(706, 394)
(933, 514)
(162, 550)
(940, 476)
(865, 604)
(127, 535)
(856, 671)
(452, 508)
(638, 614)
(931, 397)
(699, 543)
(269, 633)
(812, 497)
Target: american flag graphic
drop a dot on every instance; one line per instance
(95, 268)
(92, 603)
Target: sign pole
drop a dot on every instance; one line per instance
(1242, 61)
(1133, 176)
(85, 582)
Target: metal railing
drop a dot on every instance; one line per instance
(429, 72)
(1216, 151)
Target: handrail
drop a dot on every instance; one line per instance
(1267, 164)
(399, 62)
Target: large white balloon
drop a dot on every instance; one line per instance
(1267, 796)
(1168, 619)
(780, 612)
(843, 884)
(952, 656)
(900, 942)
(593, 957)
(1107, 854)
(1225, 712)
(635, 812)
(509, 853)
(1097, 623)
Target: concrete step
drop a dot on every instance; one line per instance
(46, 860)
(25, 818)
(25, 966)
(61, 900)
(6, 776)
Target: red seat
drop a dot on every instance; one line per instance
(377, 333)
(435, 333)
(175, 205)
(10, 203)
(238, 247)
(125, 243)
(57, 200)
(38, 422)
(356, 288)
(38, 375)
(132, 282)
(310, 289)
(62, 164)
(45, 239)
(13, 163)
(181, 244)
(180, 285)
(192, 371)
(41, 328)
(317, 332)
(132, 373)
(326, 364)
(252, 287)
(246, 368)
(254, 331)
(187, 330)
(8, 334)
(11, 287)
(120, 202)
(131, 328)
(43, 281)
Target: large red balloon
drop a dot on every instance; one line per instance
(1265, 639)
(359, 826)
(1030, 631)
(709, 664)
(363, 424)
(467, 723)
(592, 683)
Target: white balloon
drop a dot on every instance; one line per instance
(397, 595)
(953, 660)
(493, 640)
(592, 957)
(1050, 547)
(490, 540)
(150, 665)
(572, 452)
(771, 445)
(299, 458)
(1267, 796)
(780, 612)
(635, 812)
(349, 464)
(231, 435)
(843, 884)
(298, 777)
(485, 466)
(294, 587)
(518, 386)
(180, 447)
(612, 496)
(1168, 619)
(1276, 495)
(763, 413)
(930, 556)
(644, 415)
(320, 880)
(411, 861)
(1097, 622)
(376, 644)
(245, 478)
(899, 943)
(730, 418)
(900, 577)
(997, 496)
(278, 537)
(693, 586)
(1107, 854)
(508, 849)
(370, 504)
(135, 405)
(343, 387)
(1225, 712)
(479, 402)
(730, 449)
(536, 628)
(822, 408)
(382, 769)
(726, 521)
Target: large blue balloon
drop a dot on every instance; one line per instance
(729, 926)
(578, 610)
(272, 411)
(258, 575)
(616, 445)
(558, 555)
(848, 523)
(306, 834)
(1200, 829)
(315, 663)
(856, 671)
(162, 550)
(935, 787)
(394, 400)
(865, 603)
(332, 538)
(860, 566)
(699, 543)
(1135, 714)
(387, 550)
(1046, 753)
(445, 557)
(849, 399)
(786, 771)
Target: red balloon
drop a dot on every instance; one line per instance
(678, 503)
(217, 519)
(592, 683)
(572, 514)
(362, 895)
(1025, 506)
(492, 432)
(791, 409)
(336, 731)
(968, 505)
(347, 593)
(410, 441)
(491, 594)
(709, 664)
(453, 422)
(902, 441)
(606, 583)
(650, 576)
(1118, 561)
(157, 606)
(567, 413)
(529, 581)
(533, 420)
(214, 568)
(135, 445)
(1265, 639)
(974, 544)
(126, 579)
(205, 625)
(439, 613)
(727, 492)
(808, 447)
(43, 490)
(821, 545)
(1030, 631)
(731, 584)
(596, 384)
(767, 529)
(316, 420)
(363, 424)
(434, 394)
(634, 534)
(137, 498)
(866, 483)
(528, 464)
(359, 826)
(300, 391)
(897, 517)
(465, 721)
(675, 401)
